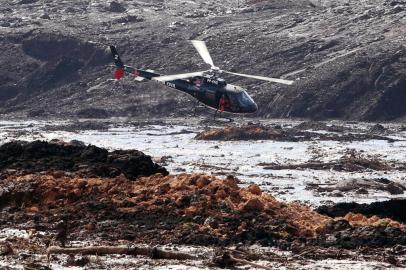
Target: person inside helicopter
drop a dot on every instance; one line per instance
(224, 102)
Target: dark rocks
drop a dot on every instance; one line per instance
(93, 113)
(129, 19)
(88, 160)
(45, 17)
(23, 2)
(116, 7)
(378, 129)
(366, 236)
(393, 209)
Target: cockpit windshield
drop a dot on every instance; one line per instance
(245, 98)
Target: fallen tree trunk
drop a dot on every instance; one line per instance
(152, 252)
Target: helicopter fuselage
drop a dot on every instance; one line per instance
(207, 89)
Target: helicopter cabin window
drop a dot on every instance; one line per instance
(197, 81)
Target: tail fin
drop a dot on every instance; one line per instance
(119, 64)
(117, 59)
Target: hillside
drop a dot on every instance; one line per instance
(348, 58)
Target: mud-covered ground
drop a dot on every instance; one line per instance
(264, 203)
(347, 57)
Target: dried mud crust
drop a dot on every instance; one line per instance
(183, 209)
(90, 160)
(277, 133)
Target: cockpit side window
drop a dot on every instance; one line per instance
(246, 98)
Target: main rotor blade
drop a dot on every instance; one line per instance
(288, 82)
(203, 51)
(173, 77)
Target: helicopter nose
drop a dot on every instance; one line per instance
(252, 108)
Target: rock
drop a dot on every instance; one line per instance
(254, 189)
(5, 24)
(93, 113)
(64, 157)
(377, 129)
(116, 7)
(394, 188)
(253, 205)
(24, 2)
(211, 222)
(337, 193)
(202, 182)
(387, 209)
(45, 17)
(5, 249)
(70, 10)
(231, 181)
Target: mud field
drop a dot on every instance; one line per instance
(307, 195)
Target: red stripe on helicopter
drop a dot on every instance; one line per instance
(119, 74)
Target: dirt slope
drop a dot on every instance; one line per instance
(348, 58)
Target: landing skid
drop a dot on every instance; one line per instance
(221, 116)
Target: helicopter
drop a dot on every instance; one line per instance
(205, 86)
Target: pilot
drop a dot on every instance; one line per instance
(197, 81)
(223, 103)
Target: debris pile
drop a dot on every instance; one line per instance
(393, 209)
(351, 161)
(183, 209)
(75, 156)
(277, 133)
(187, 209)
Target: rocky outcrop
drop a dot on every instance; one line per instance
(90, 160)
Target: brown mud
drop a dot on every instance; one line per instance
(278, 133)
(184, 209)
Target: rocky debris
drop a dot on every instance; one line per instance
(248, 132)
(343, 235)
(22, 2)
(79, 125)
(116, 7)
(185, 209)
(378, 129)
(393, 209)
(352, 161)
(362, 186)
(263, 132)
(39, 156)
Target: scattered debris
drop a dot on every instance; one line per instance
(393, 209)
(352, 161)
(262, 132)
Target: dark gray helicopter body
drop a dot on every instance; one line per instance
(206, 86)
